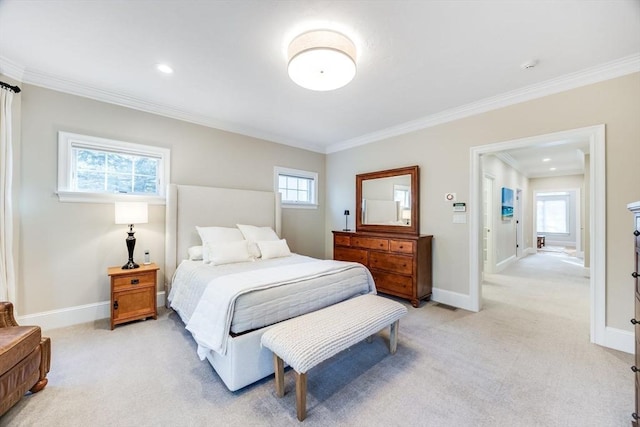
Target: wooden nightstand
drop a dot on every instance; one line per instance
(133, 293)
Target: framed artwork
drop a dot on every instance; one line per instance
(507, 204)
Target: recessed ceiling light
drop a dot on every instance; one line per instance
(164, 68)
(546, 159)
(552, 169)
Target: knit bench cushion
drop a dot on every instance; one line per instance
(305, 341)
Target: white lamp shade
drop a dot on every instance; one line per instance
(406, 214)
(322, 60)
(132, 213)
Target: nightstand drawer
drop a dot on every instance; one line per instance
(133, 280)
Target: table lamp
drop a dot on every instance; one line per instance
(406, 216)
(131, 213)
(346, 220)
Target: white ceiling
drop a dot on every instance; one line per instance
(419, 62)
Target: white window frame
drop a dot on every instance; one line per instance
(278, 170)
(67, 141)
(556, 196)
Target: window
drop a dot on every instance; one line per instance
(552, 212)
(298, 188)
(92, 169)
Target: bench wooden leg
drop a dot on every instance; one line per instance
(278, 365)
(301, 395)
(393, 337)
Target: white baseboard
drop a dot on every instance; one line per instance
(451, 298)
(619, 339)
(74, 315)
(506, 263)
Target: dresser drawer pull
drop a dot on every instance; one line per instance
(135, 281)
(636, 233)
(115, 305)
(634, 369)
(635, 416)
(634, 322)
(635, 274)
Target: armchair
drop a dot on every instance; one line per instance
(25, 358)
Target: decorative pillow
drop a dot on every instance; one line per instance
(195, 253)
(274, 248)
(254, 234)
(227, 253)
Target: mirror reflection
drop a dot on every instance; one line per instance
(387, 201)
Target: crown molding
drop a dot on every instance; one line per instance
(49, 81)
(620, 67)
(623, 66)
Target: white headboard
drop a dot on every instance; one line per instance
(190, 205)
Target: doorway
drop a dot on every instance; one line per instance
(487, 223)
(596, 137)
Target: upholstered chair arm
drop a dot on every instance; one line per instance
(6, 315)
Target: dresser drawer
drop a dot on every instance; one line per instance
(402, 246)
(371, 243)
(128, 281)
(393, 284)
(342, 240)
(348, 254)
(394, 263)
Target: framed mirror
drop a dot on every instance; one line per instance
(387, 201)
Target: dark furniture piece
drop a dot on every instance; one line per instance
(400, 264)
(635, 208)
(25, 359)
(133, 293)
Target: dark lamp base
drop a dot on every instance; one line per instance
(130, 265)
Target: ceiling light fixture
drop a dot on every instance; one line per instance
(546, 159)
(322, 60)
(164, 68)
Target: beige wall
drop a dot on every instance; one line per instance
(443, 155)
(65, 248)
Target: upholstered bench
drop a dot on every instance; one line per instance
(305, 341)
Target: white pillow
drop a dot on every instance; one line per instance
(219, 234)
(274, 248)
(216, 236)
(227, 253)
(254, 234)
(195, 253)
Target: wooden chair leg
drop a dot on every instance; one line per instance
(393, 337)
(279, 371)
(301, 395)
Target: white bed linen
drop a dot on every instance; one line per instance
(205, 296)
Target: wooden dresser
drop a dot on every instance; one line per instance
(635, 208)
(400, 264)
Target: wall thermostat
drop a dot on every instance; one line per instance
(459, 207)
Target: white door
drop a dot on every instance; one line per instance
(519, 236)
(487, 220)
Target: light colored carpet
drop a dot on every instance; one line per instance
(524, 360)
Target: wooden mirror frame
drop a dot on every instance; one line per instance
(414, 227)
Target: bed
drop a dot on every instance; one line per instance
(228, 307)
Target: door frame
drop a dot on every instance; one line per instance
(488, 209)
(597, 225)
